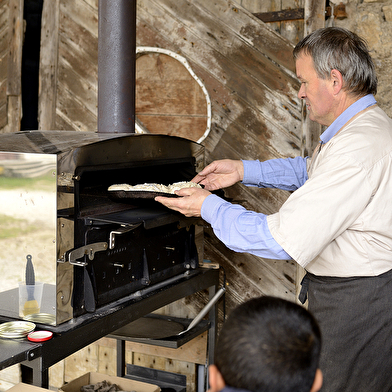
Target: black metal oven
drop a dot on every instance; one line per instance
(100, 247)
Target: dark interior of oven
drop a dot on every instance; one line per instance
(151, 242)
(91, 189)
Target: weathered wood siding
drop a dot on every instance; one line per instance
(71, 103)
(248, 71)
(176, 109)
(11, 41)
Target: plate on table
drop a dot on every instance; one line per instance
(16, 329)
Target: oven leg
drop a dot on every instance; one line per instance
(213, 317)
(201, 378)
(212, 333)
(120, 358)
(34, 374)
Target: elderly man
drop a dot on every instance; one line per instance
(337, 223)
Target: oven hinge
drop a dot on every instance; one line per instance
(119, 231)
(89, 250)
(67, 179)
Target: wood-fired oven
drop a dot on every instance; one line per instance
(88, 247)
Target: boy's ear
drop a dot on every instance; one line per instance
(215, 379)
(318, 381)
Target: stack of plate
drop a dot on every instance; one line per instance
(16, 329)
(41, 318)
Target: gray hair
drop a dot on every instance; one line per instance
(340, 49)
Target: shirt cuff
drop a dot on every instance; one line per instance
(252, 172)
(210, 206)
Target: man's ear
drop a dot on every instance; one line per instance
(318, 381)
(337, 80)
(215, 379)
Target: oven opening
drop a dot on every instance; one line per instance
(91, 190)
(146, 242)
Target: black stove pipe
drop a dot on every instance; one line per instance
(116, 66)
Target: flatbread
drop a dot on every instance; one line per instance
(151, 187)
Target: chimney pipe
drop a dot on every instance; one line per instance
(116, 66)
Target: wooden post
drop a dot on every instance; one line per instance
(314, 18)
(48, 66)
(314, 14)
(14, 82)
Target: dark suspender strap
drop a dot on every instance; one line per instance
(303, 295)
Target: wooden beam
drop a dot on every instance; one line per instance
(283, 15)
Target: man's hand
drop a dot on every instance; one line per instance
(189, 204)
(220, 174)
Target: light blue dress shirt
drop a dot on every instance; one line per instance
(247, 231)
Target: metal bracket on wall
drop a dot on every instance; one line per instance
(331, 10)
(280, 16)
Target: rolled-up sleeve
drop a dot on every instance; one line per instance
(241, 230)
(288, 174)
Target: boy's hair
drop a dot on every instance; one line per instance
(269, 344)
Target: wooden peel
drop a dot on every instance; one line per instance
(31, 305)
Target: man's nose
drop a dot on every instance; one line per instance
(301, 92)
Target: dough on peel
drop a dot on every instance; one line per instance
(147, 187)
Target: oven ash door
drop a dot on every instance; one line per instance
(140, 257)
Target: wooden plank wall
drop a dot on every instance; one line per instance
(255, 113)
(247, 69)
(71, 103)
(176, 109)
(254, 107)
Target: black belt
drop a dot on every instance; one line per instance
(303, 295)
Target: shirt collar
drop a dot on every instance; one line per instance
(351, 111)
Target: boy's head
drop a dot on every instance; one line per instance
(268, 344)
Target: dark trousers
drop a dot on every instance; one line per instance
(355, 317)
